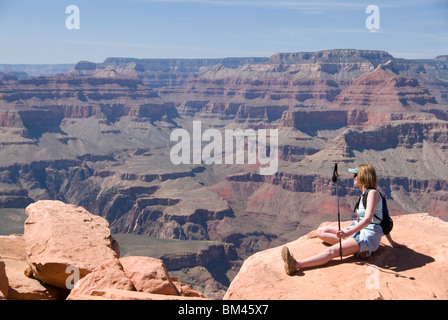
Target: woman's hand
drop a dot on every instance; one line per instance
(395, 244)
(341, 234)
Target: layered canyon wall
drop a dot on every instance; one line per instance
(98, 136)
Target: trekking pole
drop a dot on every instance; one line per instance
(335, 179)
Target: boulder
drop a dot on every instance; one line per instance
(132, 278)
(60, 237)
(109, 275)
(186, 290)
(4, 283)
(68, 253)
(148, 275)
(415, 272)
(21, 286)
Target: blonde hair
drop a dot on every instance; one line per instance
(367, 176)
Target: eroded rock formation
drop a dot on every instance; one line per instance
(98, 136)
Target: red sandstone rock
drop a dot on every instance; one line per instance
(385, 90)
(4, 283)
(58, 235)
(148, 275)
(132, 278)
(108, 275)
(22, 286)
(186, 290)
(415, 272)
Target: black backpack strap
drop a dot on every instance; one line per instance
(357, 205)
(364, 200)
(364, 197)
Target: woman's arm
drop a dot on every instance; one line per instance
(393, 243)
(373, 198)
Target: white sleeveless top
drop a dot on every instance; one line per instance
(378, 214)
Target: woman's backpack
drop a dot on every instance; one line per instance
(386, 223)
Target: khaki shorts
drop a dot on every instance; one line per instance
(369, 238)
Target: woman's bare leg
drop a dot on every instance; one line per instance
(349, 246)
(328, 235)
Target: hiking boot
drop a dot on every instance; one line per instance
(290, 262)
(363, 255)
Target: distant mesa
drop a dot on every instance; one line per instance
(85, 65)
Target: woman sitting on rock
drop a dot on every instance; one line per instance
(362, 237)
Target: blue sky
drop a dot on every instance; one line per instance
(34, 31)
